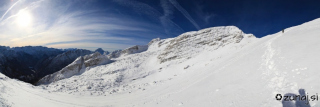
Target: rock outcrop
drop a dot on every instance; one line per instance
(130, 50)
(188, 44)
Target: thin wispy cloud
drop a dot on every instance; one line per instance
(206, 17)
(170, 27)
(9, 10)
(185, 13)
(167, 8)
(57, 24)
(91, 23)
(165, 19)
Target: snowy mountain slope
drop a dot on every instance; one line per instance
(76, 68)
(53, 64)
(131, 65)
(248, 73)
(88, 61)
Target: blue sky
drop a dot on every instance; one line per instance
(118, 24)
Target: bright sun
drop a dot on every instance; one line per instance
(24, 18)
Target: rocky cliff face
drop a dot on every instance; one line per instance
(188, 44)
(76, 67)
(134, 49)
(130, 50)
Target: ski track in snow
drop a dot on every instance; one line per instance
(271, 74)
(277, 81)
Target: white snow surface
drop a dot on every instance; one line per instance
(236, 70)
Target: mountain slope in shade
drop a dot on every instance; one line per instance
(56, 63)
(31, 63)
(245, 73)
(20, 62)
(77, 67)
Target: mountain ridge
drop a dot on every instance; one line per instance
(29, 63)
(126, 64)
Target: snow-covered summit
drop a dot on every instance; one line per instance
(101, 51)
(190, 43)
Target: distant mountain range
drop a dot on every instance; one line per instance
(31, 63)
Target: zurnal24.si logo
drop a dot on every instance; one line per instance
(297, 97)
(302, 98)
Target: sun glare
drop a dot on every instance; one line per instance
(24, 18)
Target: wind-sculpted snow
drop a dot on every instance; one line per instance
(191, 43)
